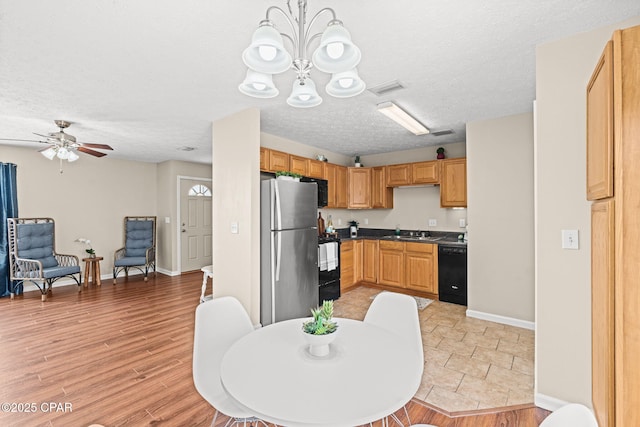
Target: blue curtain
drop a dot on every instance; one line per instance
(8, 209)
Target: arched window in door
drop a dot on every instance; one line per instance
(200, 190)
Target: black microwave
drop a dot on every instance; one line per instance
(323, 190)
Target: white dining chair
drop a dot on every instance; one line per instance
(219, 323)
(573, 414)
(398, 313)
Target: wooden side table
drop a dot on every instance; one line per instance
(92, 270)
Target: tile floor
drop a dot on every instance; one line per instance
(469, 363)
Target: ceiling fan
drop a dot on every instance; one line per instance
(63, 145)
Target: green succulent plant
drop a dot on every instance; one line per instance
(288, 173)
(321, 324)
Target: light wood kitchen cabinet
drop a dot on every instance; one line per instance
(425, 172)
(359, 181)
(315, 168)
(336, 177)
(264, 159)
(421, 260)
(346, 265)
(370, 261)
(602, 306)
(398, 175)
(600, 128)
(391, 263)
(358, 253)
(615, 238)
(298, 164)
(278, 161)
(381, 195)
(453, 183)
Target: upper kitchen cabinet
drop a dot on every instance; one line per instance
(453, 183)
(359, 181)
(381, 195)
(298, 164)
(398, 175)
(315, 168)
(600, 128)
(273, 161)
(425, 172)
(264, 159)
(336, 177)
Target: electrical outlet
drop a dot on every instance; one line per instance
(433, 222)
(570, 239)
(167, 220)
(339, 221)
(462, 222)
(366, 221)
(234, 228)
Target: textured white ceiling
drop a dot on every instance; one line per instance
(149, 76)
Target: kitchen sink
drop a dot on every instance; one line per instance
(413, 238)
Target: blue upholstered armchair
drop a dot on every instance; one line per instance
(33, 258)
(139, 249)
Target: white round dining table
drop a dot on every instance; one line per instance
(369, 373)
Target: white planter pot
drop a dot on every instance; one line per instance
(287, 178)
(319, 344)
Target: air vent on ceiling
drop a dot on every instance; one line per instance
(186, 148)
(385, 88)
(442, 132)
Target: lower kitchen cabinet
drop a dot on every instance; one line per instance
(370, 261)
(357, 261)
(391, 264)
(346, 265)
(421, 260)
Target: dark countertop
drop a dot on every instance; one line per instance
(434, 237)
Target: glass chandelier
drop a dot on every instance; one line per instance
(336, 55)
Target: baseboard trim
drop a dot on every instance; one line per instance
(547, 402)
(502, 319)
(168, 272)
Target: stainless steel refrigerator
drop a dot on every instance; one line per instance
(289, 250)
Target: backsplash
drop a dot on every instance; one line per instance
(413, 207)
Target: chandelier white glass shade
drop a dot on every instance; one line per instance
(267, 55)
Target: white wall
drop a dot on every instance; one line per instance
(501, 232)
(236, 189)
(168, 173)
(563, 303)
(89, 199)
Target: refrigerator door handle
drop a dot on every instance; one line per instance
(277, 203)
(278, 254)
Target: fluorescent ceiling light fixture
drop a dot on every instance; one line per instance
(403, 118)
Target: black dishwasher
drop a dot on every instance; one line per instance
(452, 273)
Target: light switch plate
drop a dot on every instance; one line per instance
(234, 228)
(570, 239)
(167, 220)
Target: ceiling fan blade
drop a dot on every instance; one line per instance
(99, 146)
(91, 152)
(22, 140)
(44, 136)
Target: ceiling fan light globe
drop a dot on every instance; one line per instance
(62, 153)
(266, 53)
(304, 94)
(72, 158)
(49, 153)
(336, 52)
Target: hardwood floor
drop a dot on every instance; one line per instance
(121, 355)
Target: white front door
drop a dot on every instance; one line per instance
(195, 224)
